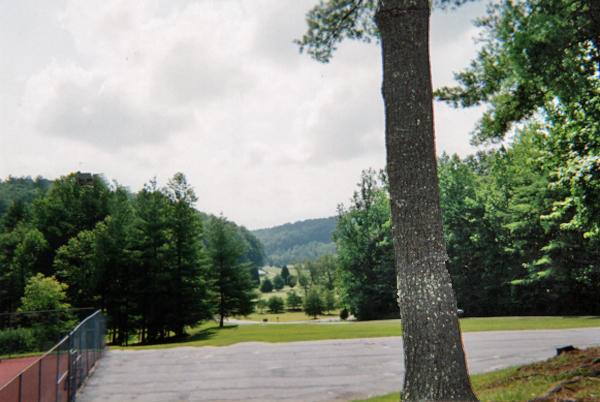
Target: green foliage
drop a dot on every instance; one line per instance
(328, 266)
(275, 304)
(255, 275)
(285, 272)
(314, 271)
(234, 289)
(298, 241)
(266, 286)
(328, 300)
(530, 224)
(344, 314)
(332, 21)
(21, 189)
(255, 252)
(366, 273)
(261, 304)
(303, 280)
(43, 293)
(278, 282)
(293, 301)
(292, 281)
(141, 258)
(17, 340)
(536, 53)
(313, 304)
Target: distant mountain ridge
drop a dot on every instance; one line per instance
(297, 241)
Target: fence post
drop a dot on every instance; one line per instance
(40, 382)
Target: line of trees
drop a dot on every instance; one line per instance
(510, 252)
(521, 221)
(152, 262)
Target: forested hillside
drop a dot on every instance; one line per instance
(297, 241)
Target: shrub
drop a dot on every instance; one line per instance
(19, 340)
(344, 314)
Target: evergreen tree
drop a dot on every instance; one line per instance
(188, 290)
(285, 273)
(235, 295)
(266, 286)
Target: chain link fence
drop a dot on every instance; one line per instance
(59, 373)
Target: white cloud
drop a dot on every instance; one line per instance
(215, 89)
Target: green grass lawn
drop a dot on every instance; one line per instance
(209, 334)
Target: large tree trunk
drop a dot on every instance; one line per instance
(435, 361)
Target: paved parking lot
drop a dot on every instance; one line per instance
(334, 370)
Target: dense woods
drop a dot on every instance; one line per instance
(145, 259)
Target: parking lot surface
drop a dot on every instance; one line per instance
(333, 370)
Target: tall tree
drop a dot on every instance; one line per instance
(151, 253)
(367, 273)
(436, 368)
(189, 264)
(234, 289)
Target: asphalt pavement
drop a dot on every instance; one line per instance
(332, 370)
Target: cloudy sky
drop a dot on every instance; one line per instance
(215, 89)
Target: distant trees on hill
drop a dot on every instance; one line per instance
(293, 242)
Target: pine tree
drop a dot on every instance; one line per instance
(233, 286)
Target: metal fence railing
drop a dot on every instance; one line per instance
(59, 373)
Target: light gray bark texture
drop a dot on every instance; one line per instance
(435, 361)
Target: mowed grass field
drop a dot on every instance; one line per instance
(209, 334)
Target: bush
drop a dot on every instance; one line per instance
(275, 304)
(19, 340)
(266, 286)
(344, 314)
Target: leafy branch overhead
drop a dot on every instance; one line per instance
(332, 21)
(536, 55)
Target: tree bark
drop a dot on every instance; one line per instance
(435, 362)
